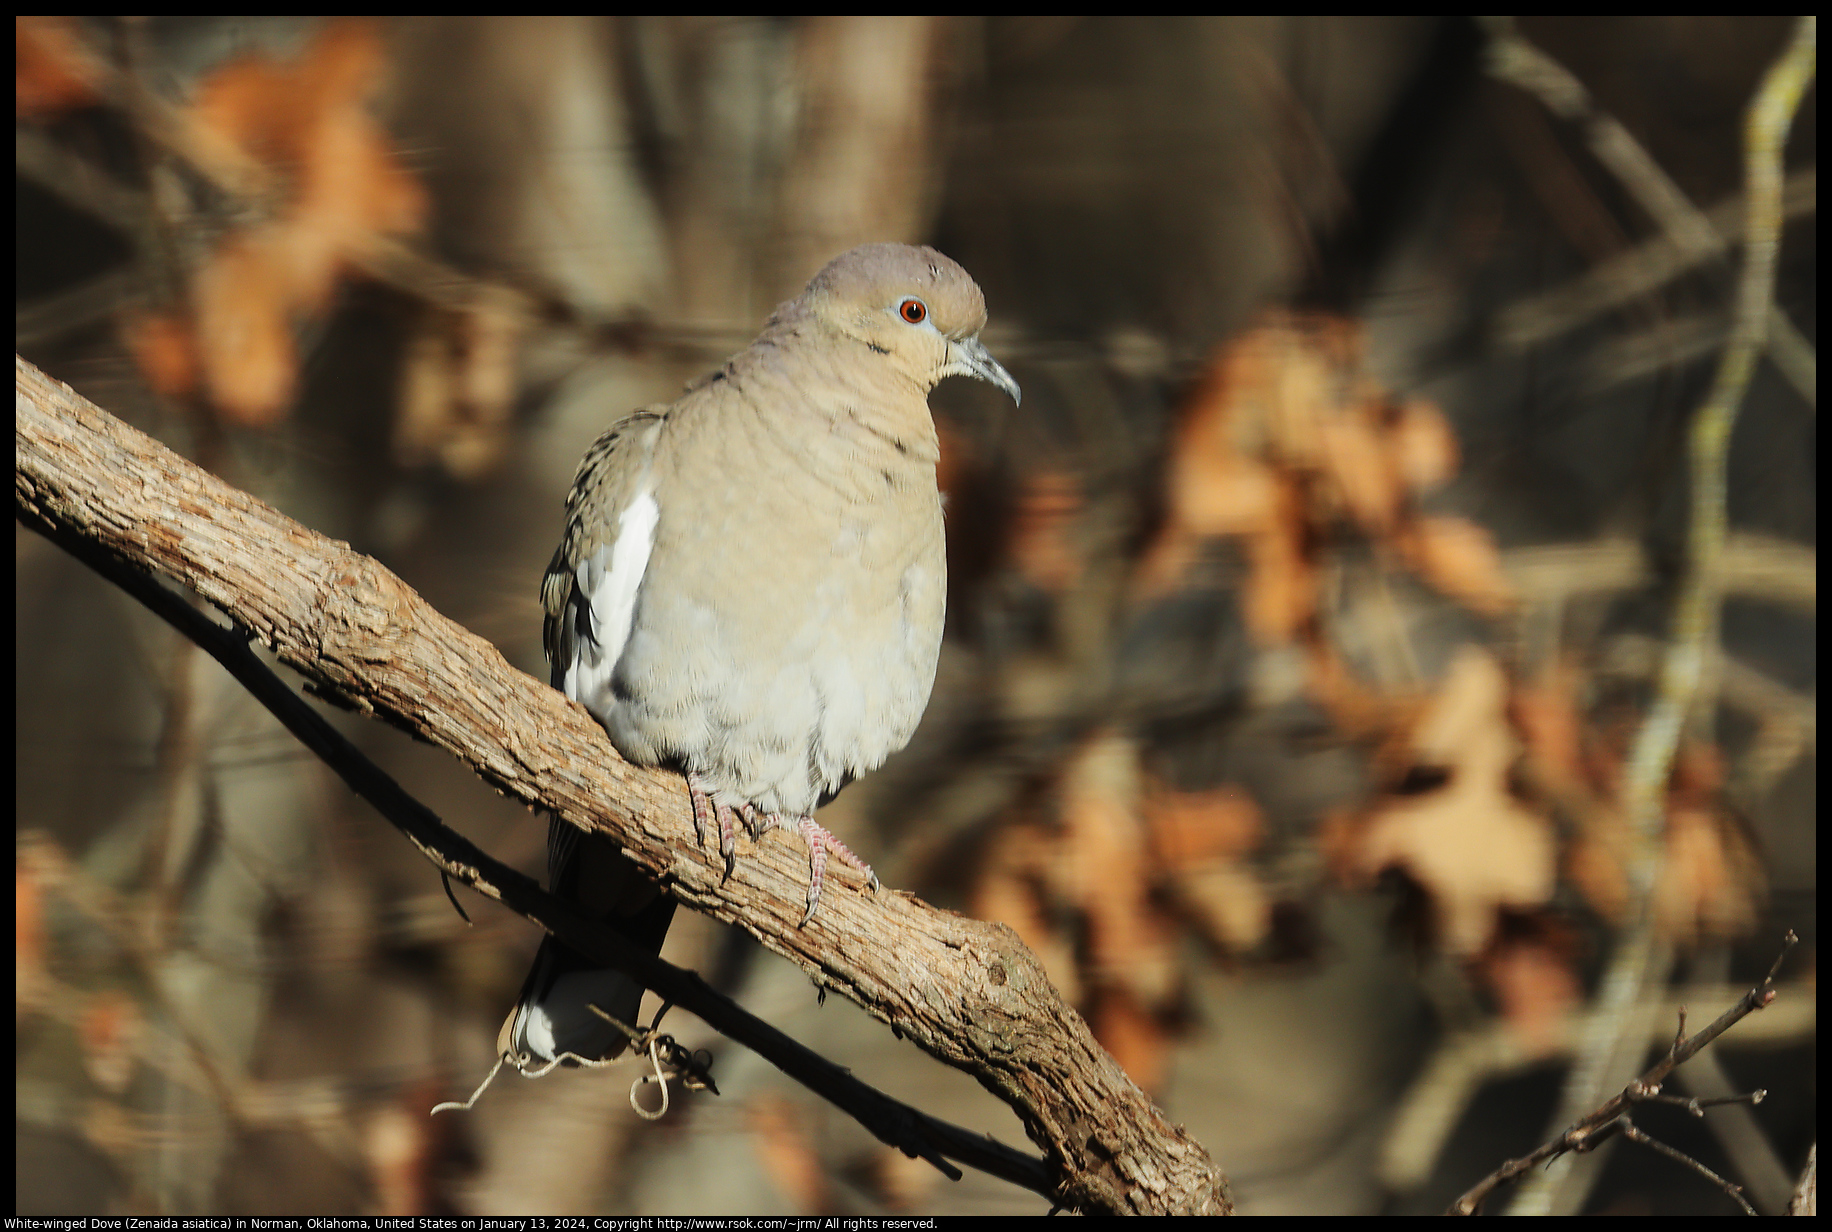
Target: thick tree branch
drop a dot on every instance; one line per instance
(968, 993)
(894, 1123)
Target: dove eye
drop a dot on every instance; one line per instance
(913, 310)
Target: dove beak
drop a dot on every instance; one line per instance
(969, 357)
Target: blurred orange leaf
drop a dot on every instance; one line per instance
(1531, 974)
(244, 332)
(458, 381)
(1546, 713)
(1710, 880)
(52, 69)
(1189, 828)
(1109, 872)
(1043, 531)
(1016, 866)
(338, 187)
(1227, 902)
(780, 1138)
(901, 1182)
(164, 345)
(1132, 1033)
(1354, 457)
(1423, 445)
(1288, 435)
(109, 1028)
(1459, 558)
(1463, 839)
(1200, 839)
(28, 936)
(1711, 877)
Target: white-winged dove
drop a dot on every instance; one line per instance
(750, 590)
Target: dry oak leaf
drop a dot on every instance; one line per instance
(902, 1182)
(1458, 558)
(1711, 877)
(1200, 839)
(1468, 844)
(28, 938)
(339, 188)
(1288, 435)
(1080, 893)
(1135, 1034)
(53, 70)
(1010, 890)
(164, 348)
(109, 1028)
(1546, 713)
(1358, 710)
(1191, 828)
(243, 310)
(1531, 973)
(458, 382)
(1108, 873)
(1219, 482)
(1227, 903)
(1424, 448)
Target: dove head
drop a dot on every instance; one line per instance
(915, 307)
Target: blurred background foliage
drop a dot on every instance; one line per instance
(1299, 620)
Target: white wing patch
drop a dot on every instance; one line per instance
(610, 594)
(562, 1022)
(536, 1033)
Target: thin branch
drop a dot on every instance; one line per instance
(1428, 1113)
(967, 992)
(1634, 1134)
(1641, 270)
(1754, 566)
(1806, 1190)
(1642, 956)
(1606, 1119)
(1689, 230)
(1751, 1155)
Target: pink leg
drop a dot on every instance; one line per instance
(755, 821)
(820, 842)
(703, 812)
(702, 808)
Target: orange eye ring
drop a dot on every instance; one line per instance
(913, 310)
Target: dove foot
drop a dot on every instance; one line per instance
(820, 843)
(704, 810)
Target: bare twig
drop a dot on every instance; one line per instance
(1634, 1134)
(1609, 1117)
(1754, 566)
(1467, 1061)
(1751, 1155)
